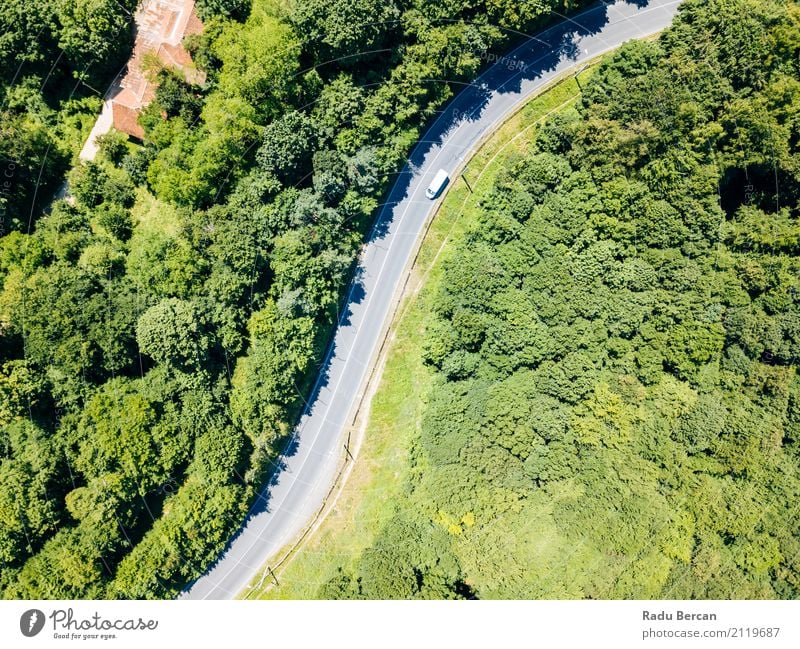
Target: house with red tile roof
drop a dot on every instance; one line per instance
(161, 26)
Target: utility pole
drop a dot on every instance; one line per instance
(347, 447)
(577, 74)
(466, 182)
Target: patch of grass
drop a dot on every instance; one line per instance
(379, 478)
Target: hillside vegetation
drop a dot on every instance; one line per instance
(615, 410)
(56, 60)
(159, 332)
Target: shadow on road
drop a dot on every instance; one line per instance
(529, 61)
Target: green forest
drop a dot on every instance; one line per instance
(161, 327)
(615, 410)
(53, 56)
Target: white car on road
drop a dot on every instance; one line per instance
(437, 184)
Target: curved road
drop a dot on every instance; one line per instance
(296, 492)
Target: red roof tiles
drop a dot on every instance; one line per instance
(161, 26)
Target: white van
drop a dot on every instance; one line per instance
(437, 184)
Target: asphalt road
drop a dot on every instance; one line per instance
(295, 493)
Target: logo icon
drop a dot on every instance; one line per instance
(31, 622)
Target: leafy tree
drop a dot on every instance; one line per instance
(171, 332)
(26, 30)
(113, 146)
(237, 9)
(32, 165)
(330, 175)
(344, 31)
(339, 103)
(287, 147)
(114, 432)
(219, 453)
(258, 62)
(364, 172)
(614, 350)
(89, 33)
(31, 468)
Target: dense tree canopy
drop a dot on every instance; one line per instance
(44, 48)
(90, 33)
(616, 342)
(210, 9)
(345, 30)
(615, 349)
(160, 330)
